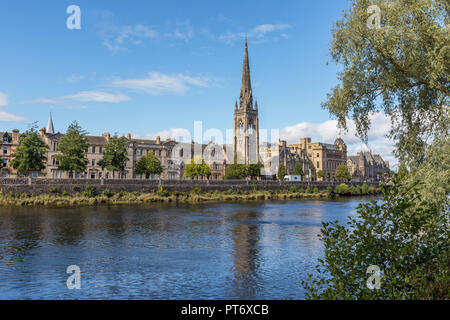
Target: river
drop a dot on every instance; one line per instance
(257, 250)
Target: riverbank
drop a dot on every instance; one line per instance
(89, 196)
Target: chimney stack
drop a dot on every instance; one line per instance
(15, 136)
(129, 136)
(107, 136)
(158, 140)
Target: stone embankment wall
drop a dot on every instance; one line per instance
(71, 186)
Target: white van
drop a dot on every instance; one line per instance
(292, 178)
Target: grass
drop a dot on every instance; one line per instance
(89, 196)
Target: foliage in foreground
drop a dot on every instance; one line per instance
(405, 236)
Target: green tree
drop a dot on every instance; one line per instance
(197, 168)
(115, 155)
(281, 172)
(235, 171)
(402, 171)
(400, 68)
(73, 147)
(254, 170)
(320, 174)
(148, 165)
(405, 236)
(341, 173)
(298, 171)
(30, 155)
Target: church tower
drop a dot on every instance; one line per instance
(246, 122)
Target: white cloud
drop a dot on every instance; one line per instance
(183, 31)
(7, 116)
(74, 78)
(128, 34)
(43, 101)
(97, 96)
(259, 33)
(3, 100)
(120, 38)
(157, 83)
(84, 96)
(328, 131)
(77, 107)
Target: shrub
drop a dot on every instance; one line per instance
(330, 189)
(64, 193)
(342, 189)
(76, 188)
(308, 189)
(162, 192)
(301, 190)
(53, 190)
(107, 193)
(405, 235)
(196, 190)
(316, 190)
(365, 188)
(88, 192)
(293, 189)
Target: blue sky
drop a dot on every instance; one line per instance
(150, 67)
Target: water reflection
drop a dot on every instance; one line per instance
(245, 236)
(230, 251)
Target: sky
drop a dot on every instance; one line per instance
(154, 67)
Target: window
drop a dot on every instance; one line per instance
(317, 156)
(160, 153)
(93, 162)
(309, 147)
(241, 128)
(100, 150)
(87, 150)
(5, 150)
(5, 162)
(250, 128)
(318, 164)
(92, 175)
(4, 175)
(93, 149)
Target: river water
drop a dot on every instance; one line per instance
(258, 250)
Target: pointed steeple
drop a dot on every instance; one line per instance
(49, 128)
(246, 99)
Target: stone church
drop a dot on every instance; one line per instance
(246, 122)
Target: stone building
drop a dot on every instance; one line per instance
(246, 121)
(8, 144)
(136, 149)
(366, 166)
(320, 156)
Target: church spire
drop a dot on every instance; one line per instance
(246, 99)
(49, 128)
